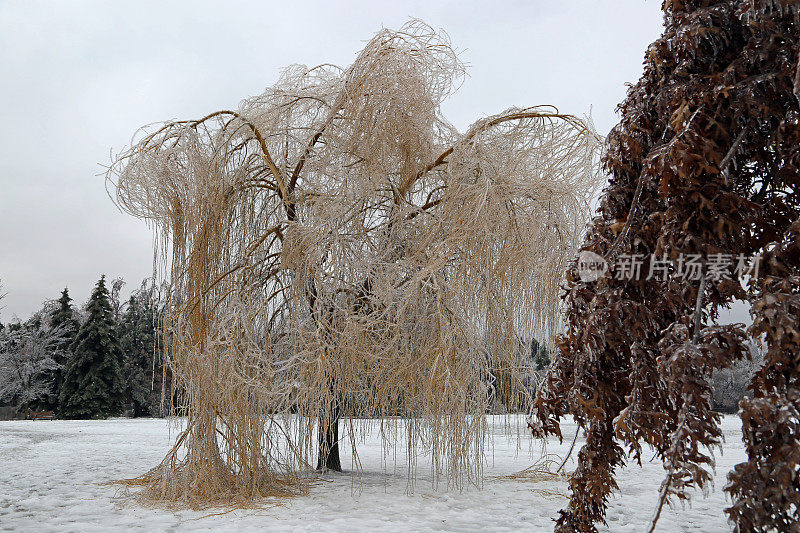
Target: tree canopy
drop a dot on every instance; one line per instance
(704, 164)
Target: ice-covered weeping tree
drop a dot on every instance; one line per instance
(336, 248)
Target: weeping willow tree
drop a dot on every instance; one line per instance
(336, 249)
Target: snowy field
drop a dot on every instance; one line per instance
(50, 475)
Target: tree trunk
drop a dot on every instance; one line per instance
(328, 443)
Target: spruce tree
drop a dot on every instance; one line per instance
(540, 355)
(137, 335)
(93, 385)
(63, 320)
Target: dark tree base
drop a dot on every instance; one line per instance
(328, 446)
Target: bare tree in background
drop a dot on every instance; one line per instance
(28, 354)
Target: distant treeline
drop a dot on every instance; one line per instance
(104, 359)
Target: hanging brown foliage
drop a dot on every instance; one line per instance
(704, 164)
(766, 489)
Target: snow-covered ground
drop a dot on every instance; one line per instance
(51, 474)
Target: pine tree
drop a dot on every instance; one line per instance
(540, 355)
(138, 339)
(93, 385)
(62, 319)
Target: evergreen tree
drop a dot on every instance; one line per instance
(540, 355)
(93, 385)
(62, 319)
(138, 339)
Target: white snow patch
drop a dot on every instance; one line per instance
(50, 475)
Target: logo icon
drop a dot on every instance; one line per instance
(590, 266)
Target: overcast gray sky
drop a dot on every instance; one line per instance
(77, 79)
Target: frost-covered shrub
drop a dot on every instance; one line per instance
(27, 355)
(730, 384)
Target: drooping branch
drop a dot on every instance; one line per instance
(304, 283)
